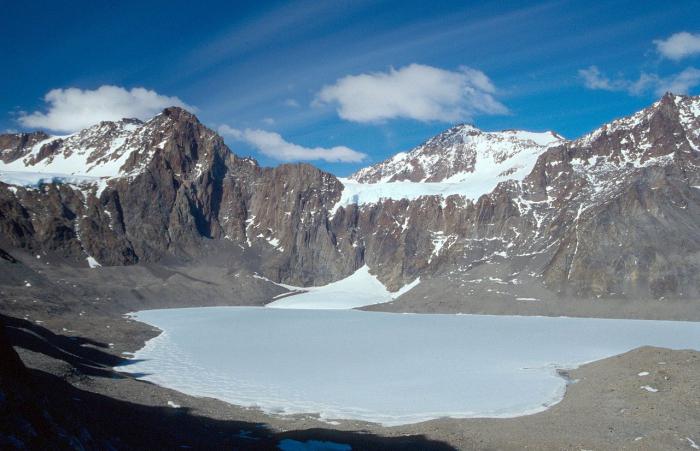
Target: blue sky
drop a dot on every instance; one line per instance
(356, 81)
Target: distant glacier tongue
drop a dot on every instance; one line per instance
(381, 367)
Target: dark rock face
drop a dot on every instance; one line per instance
(181, 186)
(614, 213)
(634, 184)
(14, 146)
(289, 214)
(611, 214)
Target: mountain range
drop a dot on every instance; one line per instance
(513, 215)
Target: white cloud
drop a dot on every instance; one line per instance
(73, 109)
(679, 83)
(679, 45)
(269, 121)
(419, 92)
(274, 146)
(594, 79)
(291, 103)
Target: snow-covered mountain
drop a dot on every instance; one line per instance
(98, 151)
(463, 154)
(511, 214)
(462, 160)
(93, 156)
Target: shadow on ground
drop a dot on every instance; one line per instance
(87, 356)
(96, 421)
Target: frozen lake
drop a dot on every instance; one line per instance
(381, 367)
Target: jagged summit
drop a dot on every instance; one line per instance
(458, 153)
(106, 149)
(180, 114)
(668, 125)
(464, 152)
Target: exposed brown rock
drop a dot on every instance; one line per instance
(612, 214)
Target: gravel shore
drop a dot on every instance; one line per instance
(648, 398)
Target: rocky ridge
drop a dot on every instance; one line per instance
(455, 154)
(611, 214)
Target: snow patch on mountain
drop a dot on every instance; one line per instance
(689, 118)
(92, 262)
(370, 193)
(357, 290)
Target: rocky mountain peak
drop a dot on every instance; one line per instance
(454, 154)
(667, 127)
(108, 148)
(180, 114)
(463, 129)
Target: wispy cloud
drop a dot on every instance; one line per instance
(593, 78)
(275, 146)
(419, 92)
(462, 31)
(679, 45)
(679, 83)
(675, 47)
(256, 32)
(73, 109)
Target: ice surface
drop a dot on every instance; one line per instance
(358, 290)
(381, 367)
(311, 445)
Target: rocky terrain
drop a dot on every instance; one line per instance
(69, 330)
(64, 394)
(131, 215)
(610, 215)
